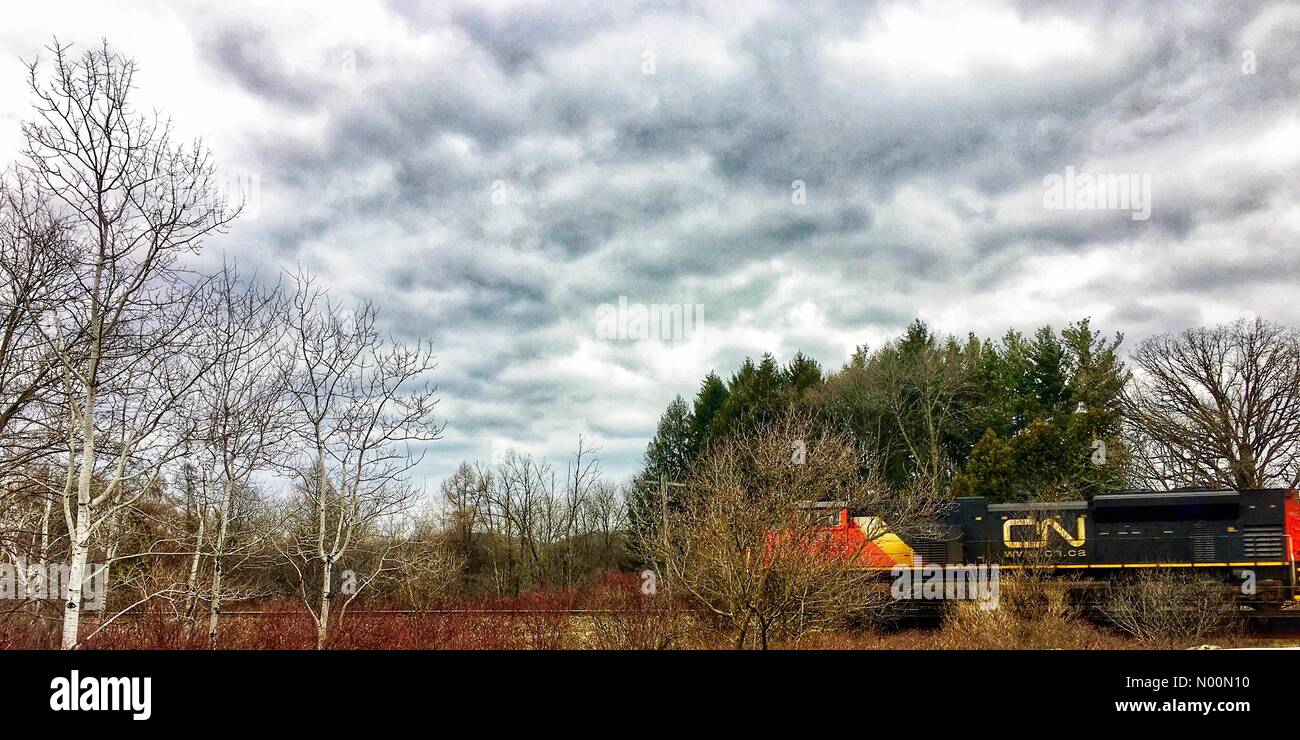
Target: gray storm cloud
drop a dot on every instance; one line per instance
(491, 175)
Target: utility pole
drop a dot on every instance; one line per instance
(663, 527)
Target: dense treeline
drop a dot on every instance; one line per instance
(1052, 415)
(1007, 419)
(517, 526)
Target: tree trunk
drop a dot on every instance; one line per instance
(326, 594)
(81, 533)
(219, 552)
(192, 581)
(45, 531)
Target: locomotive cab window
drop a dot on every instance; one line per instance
(820, 517)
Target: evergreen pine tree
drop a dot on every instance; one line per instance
(668, 456)
(712, 395)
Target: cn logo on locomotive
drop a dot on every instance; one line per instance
(1040, 529)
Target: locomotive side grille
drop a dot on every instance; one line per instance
(931, 550)
(1263, 542)
(1203, 549)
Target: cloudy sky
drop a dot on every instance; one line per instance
(491, 174)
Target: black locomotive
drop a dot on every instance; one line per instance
(1247, 536)
(1249, 539)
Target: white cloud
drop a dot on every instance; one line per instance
(913, 42)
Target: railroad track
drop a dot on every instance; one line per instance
(418, 612)
(1259, 624)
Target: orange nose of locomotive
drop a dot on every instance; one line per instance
(1293, 538)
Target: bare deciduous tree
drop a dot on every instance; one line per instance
(35, 279)
(245, 414)
(133, 201)
(520, 507)
(464, 513)
(359, 402)
(1218, 406)
(743, 546)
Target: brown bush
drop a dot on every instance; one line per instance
(1033, 612)
(1172, 609)
(623, 618)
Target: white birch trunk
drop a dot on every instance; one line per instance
(192, 581)
(218, 562)
(326, 595)
(81, 532)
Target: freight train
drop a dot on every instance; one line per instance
(1247, 538)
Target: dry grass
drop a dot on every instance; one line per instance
(1033, 613)
(610, 615)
